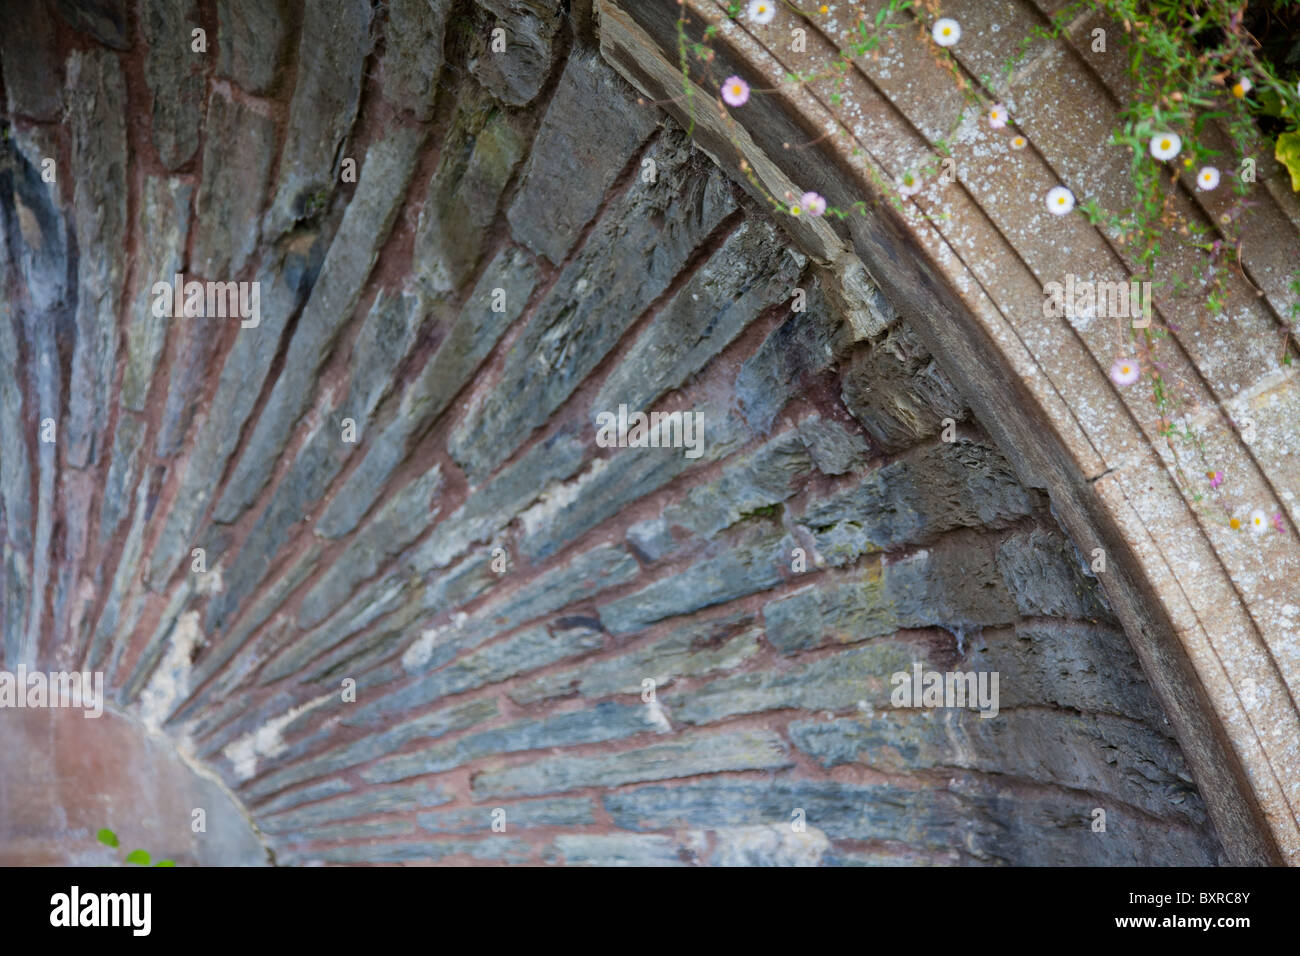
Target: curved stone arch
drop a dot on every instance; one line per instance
(1214, 629)
(494, 584)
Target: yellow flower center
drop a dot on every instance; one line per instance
(825, 9)
(1234, 524)
(947, 30)
(1164, 144)
(794, 210)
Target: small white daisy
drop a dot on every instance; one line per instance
(1019, 142)
(1125, 371)
(998, 116)
(1059, 200)
(946, 32)
(762, 11)
(909, 185)
(1165, 145)
(1207, 178)
(1258, 521)
(1242, 87)
(813, 204)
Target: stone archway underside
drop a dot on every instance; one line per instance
(525, 247)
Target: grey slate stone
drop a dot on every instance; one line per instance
(827, 683)
(394, 527)
(740, 567)
(803, 346)
(620, 849)
(516, 74)
(174, 74)
(493, 506)
(750, 272)
(604, 721)
(527, 651)
(332, 50)
(929, 491)
(233, 188)
(1092, 752)
(352, 254)
(238, 387)
(28, 59)
(472, 336)
(413, 58)
(529, 814)
(627, 261)
(251, 37)
(365, 803)
(591, 128)
(614, 483)
(690, 650)
(898, 393)
(164, 221)
(97, 117)
(477, 159)
(685, 756)
(1042, 571)
(340, 757)
(105, 20)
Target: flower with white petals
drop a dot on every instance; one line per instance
(1258, 521)
(1207, 178)
(813, 204)
(1165, 145)
(909, 184)
(1242, 87)
(998, 116)
(762, 11)
(946, 32)
(1125, 371)
(1019, 142)
(1059, 200)
(735, 91)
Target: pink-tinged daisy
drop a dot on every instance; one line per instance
(1125, 371)
(998, 116)
(813, 204)
(1165, 145)
(1258, 521)
(946, 32)
(1019, 142)
(1059, 200)
(1216, 478)
(1242, 87)
(735, 91)
(762, 11)
(909, 185)
(1207, 178)
(1277, 522)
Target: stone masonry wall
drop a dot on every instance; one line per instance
(641, 657)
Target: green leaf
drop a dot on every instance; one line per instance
(107, 837)
(165, 863)
(1287, 153)
(138, 856)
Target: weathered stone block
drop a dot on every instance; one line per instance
(685, 756)
(477, 160)
(251, 37)
(898, 392)
(632, 255)
(233, 188)
(174, 74)
(332, 50)
(750, 563)
(591, 128)
(515, 75)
